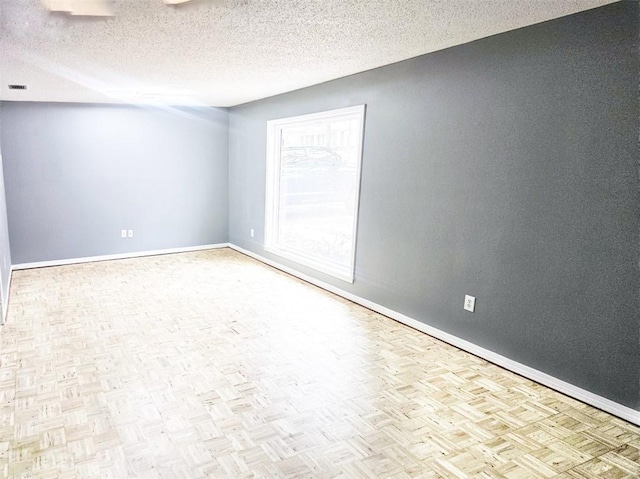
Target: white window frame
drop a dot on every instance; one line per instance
(272, 198)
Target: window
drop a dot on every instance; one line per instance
(313, 186)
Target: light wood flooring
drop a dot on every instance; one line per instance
(210, 364)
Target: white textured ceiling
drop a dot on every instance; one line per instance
(227, 52)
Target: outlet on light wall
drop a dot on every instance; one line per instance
(469, 303)
(130, 234)
(123, 233)
(252, 233)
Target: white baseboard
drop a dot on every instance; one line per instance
(91, 259)
(5, 299)
(564, 387)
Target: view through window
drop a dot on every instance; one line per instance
(313, 178)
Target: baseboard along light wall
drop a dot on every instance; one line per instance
(108, 257)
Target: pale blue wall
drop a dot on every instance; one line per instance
(5, 250)
(77, 174)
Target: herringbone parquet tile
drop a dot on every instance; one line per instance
(209, 364)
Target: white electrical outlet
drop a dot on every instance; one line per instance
(469, 303)
(252, 233)
(123, 233)
(130, 233)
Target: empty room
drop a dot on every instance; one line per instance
(320, 239)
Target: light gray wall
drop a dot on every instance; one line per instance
(78, 174)
(5, 250)
(507, 169)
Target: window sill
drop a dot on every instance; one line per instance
(341, 274)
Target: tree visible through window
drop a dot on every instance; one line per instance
(313, 179)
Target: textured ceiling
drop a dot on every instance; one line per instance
(227, 52)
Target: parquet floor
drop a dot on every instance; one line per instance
(210, 364)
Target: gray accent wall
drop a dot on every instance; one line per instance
(77, 174)
(5, 250)
(507, 169)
